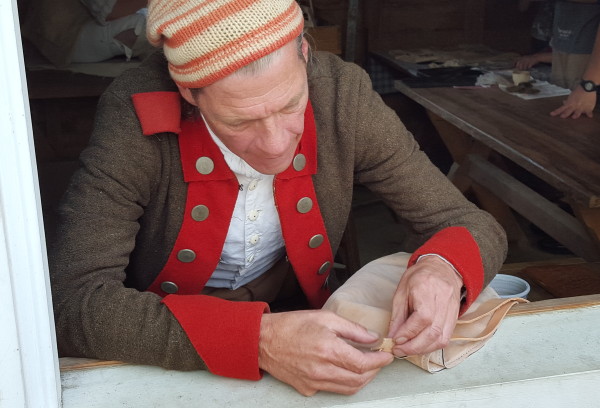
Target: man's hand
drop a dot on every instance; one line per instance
(527, 61)
(579, 102)
(425, 307)
(306, 349)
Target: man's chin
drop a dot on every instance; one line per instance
(270, 169)
(271, 166)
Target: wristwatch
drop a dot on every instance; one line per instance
(589, 86)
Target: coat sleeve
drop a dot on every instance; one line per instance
(390, 163)
(96, 314)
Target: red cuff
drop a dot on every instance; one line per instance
(457, 246)
(225, 334)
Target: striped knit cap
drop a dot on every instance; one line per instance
(206, 40)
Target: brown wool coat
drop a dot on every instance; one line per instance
(122, 212)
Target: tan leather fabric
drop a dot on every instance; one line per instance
(366, 298)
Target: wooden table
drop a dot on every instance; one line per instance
(482, 127)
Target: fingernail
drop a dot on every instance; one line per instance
(400, 340)
(372, 333)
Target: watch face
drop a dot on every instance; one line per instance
(589, 86)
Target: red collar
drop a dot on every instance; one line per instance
(160, 112)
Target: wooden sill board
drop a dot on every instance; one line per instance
(544, 356)
(544, 306)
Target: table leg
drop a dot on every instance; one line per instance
(460, 145)
(590, 218)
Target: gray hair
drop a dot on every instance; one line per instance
(262, 64)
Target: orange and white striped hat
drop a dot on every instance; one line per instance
(206, 40)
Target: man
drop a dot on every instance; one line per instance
(575, 56)
(177, 233)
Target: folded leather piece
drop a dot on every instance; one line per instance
(366, 299)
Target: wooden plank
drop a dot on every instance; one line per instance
(547, 216)
(543, 306)
(536, 359)
(409, 24)
(474, 21)
(553, 305)
(74, 363)
(590, 218)
(511, 268)
(538, 293)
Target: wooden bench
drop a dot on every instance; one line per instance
(557, 278)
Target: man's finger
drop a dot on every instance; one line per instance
(424, 333)
(363, 361)
(399, 312)
(340, 381)
(566, 112)
(431, 338)
(412, 327)
(352, 331)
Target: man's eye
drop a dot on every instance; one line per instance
(292, 109)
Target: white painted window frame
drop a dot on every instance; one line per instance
(29, 374)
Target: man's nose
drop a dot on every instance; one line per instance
(274, 137)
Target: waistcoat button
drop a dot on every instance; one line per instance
(324, 268)
(205, 165)
(299, 162)
(186, 255)
(169, 287)
(200, 212)
(304, 205)
(315, 241)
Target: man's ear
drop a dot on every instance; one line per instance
(187, 95)
(305, 49)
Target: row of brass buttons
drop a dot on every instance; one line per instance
(205, 166)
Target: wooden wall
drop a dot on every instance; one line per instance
(405, 24)
(422, 23)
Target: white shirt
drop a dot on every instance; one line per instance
(254, 241)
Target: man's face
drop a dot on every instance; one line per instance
(259, 117)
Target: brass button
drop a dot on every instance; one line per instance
(200, 212)
(304, 205)
(186, 255)
(169, 287)
(316, 241)
(205, 165)
(299, 162)
(324, 268)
